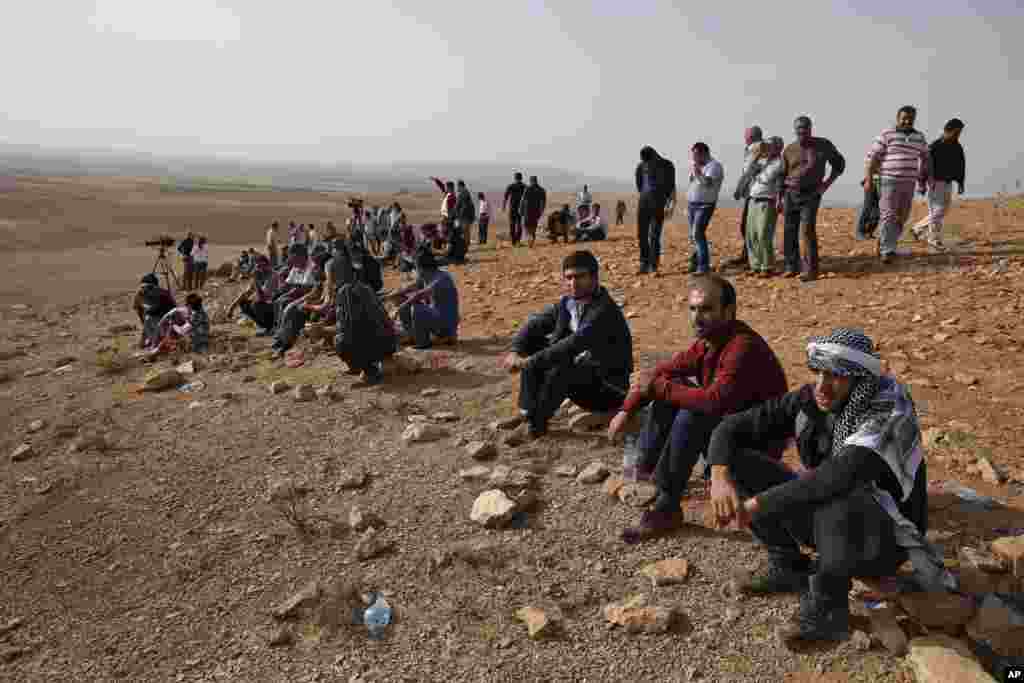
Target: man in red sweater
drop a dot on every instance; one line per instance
(728, 369)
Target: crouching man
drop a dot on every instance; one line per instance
(862, 502)
(579, 348)
(728, 369)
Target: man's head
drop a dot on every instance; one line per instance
(701, 153)
(579, 273)
(775, 146)
(597, 209)
(802, 128)
(753, 134)
(533, 180)
(194, 301)
(149, 280)
(202, 241)
(518, 177)
(274, 225)
(839, 361)
(586, 188)
(479, 195)
(905, 117)
(951, 131)
(647, 153)
(712, 305)
(450, 186)
(461, 184)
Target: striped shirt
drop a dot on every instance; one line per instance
(901, 155)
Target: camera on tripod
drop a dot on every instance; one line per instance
(162, 241)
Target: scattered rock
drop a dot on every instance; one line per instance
(504, 476)
(473, 473)
(360, 520)
(35, 426)
(424, 432)
(612, 486)
(941, 659)
(35, 372)
(304, 393)
(306, 597)
(860, 641)
(506, 423)
(10, 653)
(353, 479)
(64, 360)
(281, 636)
(594, 473)
(989, 472)
(120, 329)
(22, 452)
(667, 572)
(967, 380)
(492, 508)
(159, 380)
(445, 416)
(567, 471)
(1011, 550)
(371, 545)
(481, 450)
(85, 442)
(588, 421)
(938, 610)
(932, 436)
(282, 490)
(328, 393)
(638, 494)
(11, 625)
(279, 387)
(430, 391)
(636, 615)
(537, 622)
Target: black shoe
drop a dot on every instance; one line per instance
(373, 375)
(777, 577)
(820, 619)
(423, 347)
(644, 269)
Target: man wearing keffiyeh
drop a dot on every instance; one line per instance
(862, 502)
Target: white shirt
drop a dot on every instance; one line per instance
(201, 254)
(485, 208)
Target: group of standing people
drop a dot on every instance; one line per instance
(195, 261)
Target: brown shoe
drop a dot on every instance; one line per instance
(652, 525)
(791, 274)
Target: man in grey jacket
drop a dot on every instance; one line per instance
(752, 138)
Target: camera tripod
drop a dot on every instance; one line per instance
(162, 266)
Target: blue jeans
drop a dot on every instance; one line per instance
(700, 216)
(687, 434)
(423, 321)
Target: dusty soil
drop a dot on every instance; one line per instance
(159, 553)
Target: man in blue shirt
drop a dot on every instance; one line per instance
(431, 304)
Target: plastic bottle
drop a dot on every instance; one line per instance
(377, 616)
(630, 457)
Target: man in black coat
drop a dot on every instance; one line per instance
(656, 183)
(579, 348)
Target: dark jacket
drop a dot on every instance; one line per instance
(797, 416)
(664, 173)
(535, 198)
(465, 210)
(602, 331)
(948, 162)
(185, 247)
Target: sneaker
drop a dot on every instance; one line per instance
(777, 578)
(263, 332)
(652, 525)
(819, 620)
(644, 269)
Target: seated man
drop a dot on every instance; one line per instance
(301, 279)
(558, 224)
(438, 318)
(593, 228)
(579, 348)
(151, 303)
(295, 314)
(728, 369)
(189, 322)
(863, 501)
(364, 333)
(256, 301)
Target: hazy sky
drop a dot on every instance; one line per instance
(580, 85)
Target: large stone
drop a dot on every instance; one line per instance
(279, 387)
(612, 486)
(424, 432)
(35, 372)
(445, 416)
(159, 380)
(938, 610)
(361, 520)
(353, 479)
(307, 597)
(371, 545)
(1010, 549)
(594, 473)
(941, 659)
(22, 452)
(567, 471)
(990, 472)
(304, 393)
(36, 425)
(537, 622)
(589, 421)
(636, 615)
(481, 450)
(638, 494)
(492, 508)
(475, 473)
(504, 476)
(667, 572)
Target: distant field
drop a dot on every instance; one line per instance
(219, 185)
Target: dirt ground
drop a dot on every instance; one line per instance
(143, 537)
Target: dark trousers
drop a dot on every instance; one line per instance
(672, 441)
(800, 232)
(292, 321)
(541, 392)
(260, 312)
(515, 225)
(853, 535)
(456, 245)
(485, 221)
(743, 228)
(650, 218)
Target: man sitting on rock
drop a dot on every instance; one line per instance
(431, 304)
(728, 369)
(256, 301)
(862, 503)
(317, 300)
(593, 228)
(151, 303)
(579, 348)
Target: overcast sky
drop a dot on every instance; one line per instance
(579, 85)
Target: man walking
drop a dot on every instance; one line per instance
(706, 176)
(948, 165)
(656, 183)
(535, 199)
(804, 163)
(900, 157)
(272, 247)
(752, 138)
(512, 200)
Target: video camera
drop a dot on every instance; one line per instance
(163, 241)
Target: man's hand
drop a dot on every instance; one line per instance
(513, 361)
(867, 184)
(616, 425)
(736, 195)
(725, 501)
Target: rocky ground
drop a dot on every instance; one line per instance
(226, 532)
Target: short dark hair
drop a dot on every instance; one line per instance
(580, 260)
(907, 109)
(517, 175)
(701, 147)
(647, 153)
(726, 292)
(194, 301)
(954, 124)
(801, 121)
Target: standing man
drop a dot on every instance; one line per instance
(900, 157)
(656, 183)
(706, 176)
(804, 163)
(272, 249)
(620, 211)
(483, 217)
(535, 198)
(752, 138)
(763, 175)
(465, 216)
(187, 267)
(513, 199)
(948, 165)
